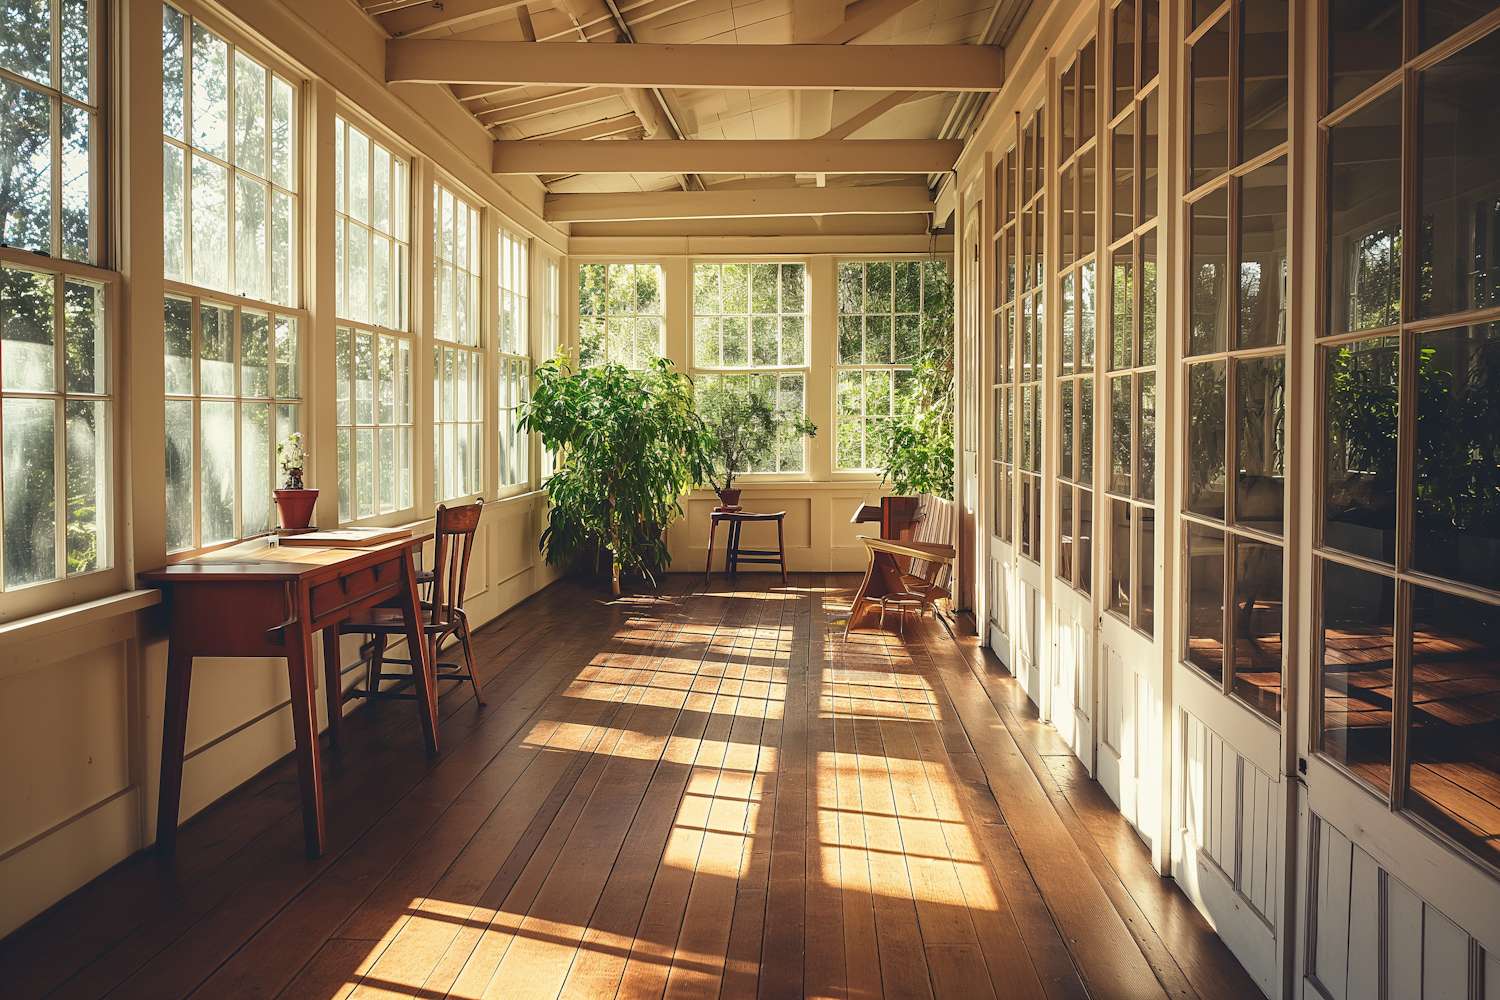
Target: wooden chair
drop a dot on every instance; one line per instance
(924, 583)
(442, 616)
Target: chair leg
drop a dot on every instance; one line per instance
(333, 686)
(463, 637)
(377, 663)
(781, 545)
(708, 568)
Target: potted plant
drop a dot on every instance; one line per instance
(294, 502)
(629, 443)
(742, 428)
(918, 446)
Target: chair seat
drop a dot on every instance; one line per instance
(390, 621)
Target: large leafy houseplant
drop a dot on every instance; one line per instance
(918, 456)
(744, 429)
(628, 444)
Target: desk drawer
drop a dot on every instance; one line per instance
(328, 597)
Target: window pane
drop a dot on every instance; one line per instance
(27, 348)
(1085, 541)
(1205, 450)
(1257, 625)
(216, 456)
(179, 459)
(1460, 186)
(1087, 212)
(1149, 153)
(173, 236)
(1145, 485)
(364, 378)
(210, 97)
(86, 360)
(1065, 532)
(364, 471)
(1263, 66)
(1455, 759)
(255, 468)
(1440, 19)
(1122, 330)
(177, 319)
(1364, 44)
(1458, 455)
(30, 488)
(1145, 548)
(1263, 275)
(1260, 481)
(1210, 73)
(255, 354)
(346, 512)
(281, 134)
(216, 351)
(88, 485)
(1086, 317)
(1086, 430)
(1211, 290)
(1359, 490)
(1119, 435)
(1120, 528)
(1359, 613)
(1205, 599)
(210, 224)
(288, 368)
(26, 44)
(1066, 426)
(1124, 178)
(249, 115)
(26, 163)
(250, 237)
(77, 191)
(1364, 206)
(171, 71)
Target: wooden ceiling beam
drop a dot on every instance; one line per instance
(728, 156)
(530, 107)
(863, 16)
(751, 67)
(443, 18)
(627, 122)
(854, 123)
(742, 204)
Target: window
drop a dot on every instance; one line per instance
(882, 307)
(373, 398)
(233, 382)
(1235, 372)
(230, 167)
(1128, 399)
(457, 357)
(372, 254)
(1078, 268)
(619, 313)
(754, 316)
(49, 135)
(515, 359)
(1026, 332)
(1409, 539)
(549, 300)
(55, 425)
(371, 230)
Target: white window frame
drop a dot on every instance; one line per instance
(454, 407)
(513, 361)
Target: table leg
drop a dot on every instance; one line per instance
(732, 557)
(173, 744)
(422, 664)
(708, 567)
(333, 686)
(302, 676)
(781, 544)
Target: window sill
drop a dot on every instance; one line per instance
(37, 628)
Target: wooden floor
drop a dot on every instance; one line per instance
(695, 793)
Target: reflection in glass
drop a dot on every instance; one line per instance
(1457, 529)
(1260, 476)
(1087, 101)
(1065, 470)
(1454, 780)
(1085, 541)
(216, 471)
(1124, 177)
(1086, 430)
(1205, 605)
(27, 329)
(1263, 276)
(1148, 155)
(1086, 181)
(1210, 73)
(1148, 298)
(1440, 19)
(1210, 288)
(1263, 66)
(256, 474)
(1364, 217)
(1460, 182)
(1364, 44)
(1205, 443)
(1360, 419)
(86, 361)
(1122, 330)
(1124, 55)
(1359, 613)
(1145, 547)
(1065, 533)
(88, 465)
(1119, 557)
(28, 482)
(1086, 317)
(1257, 625)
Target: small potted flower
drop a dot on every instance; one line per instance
(294, 502)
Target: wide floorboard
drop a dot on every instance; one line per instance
(692, 792)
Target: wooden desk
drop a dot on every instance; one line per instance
(255, 599)
(883, 574)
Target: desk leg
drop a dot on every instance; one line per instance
(173, 744)
(301, 675)
(333, 686)
(422, 663)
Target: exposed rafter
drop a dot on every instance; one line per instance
(442, 18)
(864, 16)
(597, 130)
(530, 107)
(754, 67)
(640, 207)
(856, 122)
(728, 156)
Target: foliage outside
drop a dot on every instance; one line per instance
(918, 450)
(629, 444)
(746, 433)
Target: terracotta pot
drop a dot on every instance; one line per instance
(294, 508)
(730, 498)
